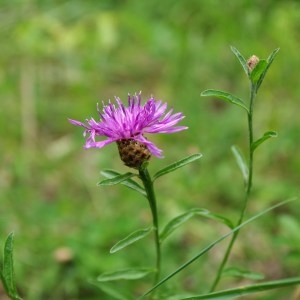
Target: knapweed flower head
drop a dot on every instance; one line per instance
(127, 125)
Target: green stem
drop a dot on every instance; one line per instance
(148, 185)
(247, 190)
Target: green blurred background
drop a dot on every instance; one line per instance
(59, 58)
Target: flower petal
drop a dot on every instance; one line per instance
(118, 121)
(151, 146)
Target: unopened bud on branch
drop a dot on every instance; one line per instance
(252, 62)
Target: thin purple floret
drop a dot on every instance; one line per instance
(117, 121)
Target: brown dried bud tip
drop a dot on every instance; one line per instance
(63, 255)
(133, 153)
(252, 62)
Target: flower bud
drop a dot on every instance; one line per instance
(133, 153)
(252, 62)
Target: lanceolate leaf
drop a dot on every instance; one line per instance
(258, 70)
(241, 162)
(241, 59)
(7, 274)
(127, 274)
(128, 182)
(177, 165)
(130, 239)
(225, 96)
(267, 135)
(249, 289)
(117, 179)
(269, 61)
(181, 219)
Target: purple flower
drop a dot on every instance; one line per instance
(120, 123)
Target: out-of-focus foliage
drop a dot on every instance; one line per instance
(58, 58)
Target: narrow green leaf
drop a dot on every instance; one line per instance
(225, 96)
(248, 289)
(130, 239)
(211, 245)
(126, 274)
(8, 276)
(110, 173)
(258, 70)
(241, 59)
(272, 56)
(130, 183)
(110, 290)
(241, 162)
(117, 179)
(236, 272)
(183, 218)
(269, 61)
(266, 136)
(177, 165)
